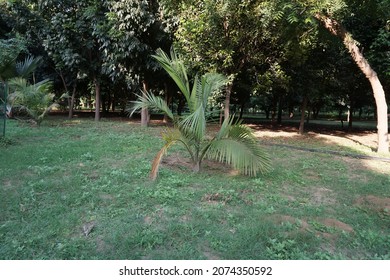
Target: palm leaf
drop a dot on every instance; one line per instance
(240, 149)
(150, 101)
(195, 123)
(170, 136)
(28, 66)
(176, 70)
(157, 160)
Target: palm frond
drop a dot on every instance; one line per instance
(212, 82)
(36, 99)
(150, 101)
(170, 137)
(176, 70)
(240, 149)
(226, 127)
(157, 160)
(28, 66)
(195, 123)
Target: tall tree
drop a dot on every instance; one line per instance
(226, 36)
(332, 14)
(136, 30)
(73, 39)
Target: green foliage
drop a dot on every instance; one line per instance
(9, 52)
(135, 29)
(35, 99)
(27, 67)
(233, 144)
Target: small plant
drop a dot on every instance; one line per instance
(234, 143)
(36, 99)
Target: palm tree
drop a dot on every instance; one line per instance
(234, 143)
(35, 99)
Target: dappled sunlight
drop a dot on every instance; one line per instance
(378, 166)
(363, 143)
(274, 134)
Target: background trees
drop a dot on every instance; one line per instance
(278, 55)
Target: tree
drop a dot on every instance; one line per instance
(331, 14)
(382, 119)
(9, 52)
(226, 36)
(74, 41)
(234, 143)
(136, 30)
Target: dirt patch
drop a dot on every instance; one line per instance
(178, 162)
(333, 223)
(374, 203)
(327, 228)
(321, 195)
(216, 198)
(7, 185)
(101, 245)
(209, 253)
(157, 216)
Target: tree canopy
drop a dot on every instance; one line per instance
(279, 56)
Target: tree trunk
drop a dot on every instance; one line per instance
(242, 107)
(226, 112)
(196, 166)
(144, 112)
(280, 110)
(303, 111)
(97, 99)
(71, 103)
(350, 118)
(382, 120)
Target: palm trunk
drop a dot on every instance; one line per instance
(196, 167)
(382, 120)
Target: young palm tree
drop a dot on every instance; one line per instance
(234, 143)
(35, 99)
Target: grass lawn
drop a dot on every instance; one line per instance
(76, 189)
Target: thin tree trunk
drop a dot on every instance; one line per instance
(72, 98)
(97, 99)
(242, 107)
(382, 120)
(280, 110)
(144, 111)
(226, 112)
(303, 112)
(350, 118)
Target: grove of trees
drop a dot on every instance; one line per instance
(279, 57)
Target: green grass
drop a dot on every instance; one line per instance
(67, 174)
